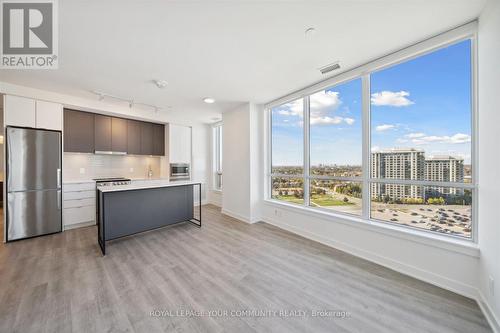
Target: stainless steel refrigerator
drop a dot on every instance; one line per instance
(33, 166)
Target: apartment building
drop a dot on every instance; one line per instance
(411, 164)
(408, 164)
(444, 169)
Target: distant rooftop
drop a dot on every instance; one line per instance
(399, 150)
(415, 150)
(444, 158)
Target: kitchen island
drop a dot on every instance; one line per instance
(125, 210)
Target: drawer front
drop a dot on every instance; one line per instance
(78, 215)
(79, 195)
(78, 187)
(79, 203)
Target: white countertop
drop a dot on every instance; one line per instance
(81, 181)
(151, 184)
(149, 179)
(84, 181)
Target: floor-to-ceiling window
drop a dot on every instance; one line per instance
(287, 161)
(393, 145)
(421, 135)
(335, 148)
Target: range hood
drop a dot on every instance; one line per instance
(109, 152)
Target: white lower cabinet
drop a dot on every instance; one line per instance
(79, 195)
(79, 214)
(78, 205)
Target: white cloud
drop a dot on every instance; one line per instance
(292, 109)
(415, 135)
(323, 105)
(454, 139)
(385, 127)
(325, 99)
(349, 121)
(284, 112)
(326, 120)
(391, 98)
(375, 148)
(460, 138)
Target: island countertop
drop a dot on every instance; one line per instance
(125, 210)
(148, 185)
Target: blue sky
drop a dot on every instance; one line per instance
(423, 103)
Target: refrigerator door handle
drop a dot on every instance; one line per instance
(58, 178)
(59, 199)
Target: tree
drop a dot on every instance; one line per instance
(436, 201)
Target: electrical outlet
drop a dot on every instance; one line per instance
(131, 169)
(492, 285)
(277, 213)
(82, 171)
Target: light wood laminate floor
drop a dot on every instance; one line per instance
(61, 283)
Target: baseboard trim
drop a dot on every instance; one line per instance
(215, 203)
(238, 216)
(488, 312)
(415, 272)
(78, 225)
(203, 202)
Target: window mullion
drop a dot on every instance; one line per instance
(306, 150)
(366, 145)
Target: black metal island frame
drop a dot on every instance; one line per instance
(125, 210)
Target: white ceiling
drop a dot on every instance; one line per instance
(233, 51)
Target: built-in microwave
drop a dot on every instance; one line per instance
(179, 171)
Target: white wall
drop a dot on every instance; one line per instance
(256, 141)
(235, 162)
(241, 163)
(489, 157)
(201, 157)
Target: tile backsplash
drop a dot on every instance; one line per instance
(88, 166)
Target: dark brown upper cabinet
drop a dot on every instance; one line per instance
(102, 133)
(88, 133)
(146, 138)
(134, 137)
(119, 135)
(78, 131)
(158, 140)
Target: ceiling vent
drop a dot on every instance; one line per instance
(329, 68)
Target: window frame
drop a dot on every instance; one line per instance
(217, 156)
(465, 32)
(334, 178)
